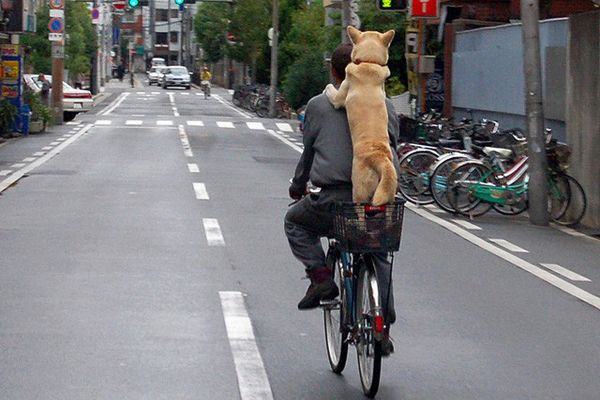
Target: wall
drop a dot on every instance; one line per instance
(583, 108)
(487, 74)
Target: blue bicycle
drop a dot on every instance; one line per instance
(357, 316)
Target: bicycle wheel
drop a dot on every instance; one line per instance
(262, 108)
(461, 184)
(368, 347)
(414, 176)
(333, 318)
(576, 204)
(559, 195)
(439, 179)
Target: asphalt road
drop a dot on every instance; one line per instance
(134, 258)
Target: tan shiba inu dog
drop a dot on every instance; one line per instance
(362, 93)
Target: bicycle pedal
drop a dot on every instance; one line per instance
(329, 304)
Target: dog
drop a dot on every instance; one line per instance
(374, 178)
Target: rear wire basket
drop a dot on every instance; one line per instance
(366, 229)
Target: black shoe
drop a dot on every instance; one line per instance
(316, 292)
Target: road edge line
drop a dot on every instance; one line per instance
(222, 101)
(15, 176)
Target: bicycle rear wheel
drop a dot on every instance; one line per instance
(370, 323)
(576, 203)
(414, 176)
(333, 318)
(439, 179)
(462, 183)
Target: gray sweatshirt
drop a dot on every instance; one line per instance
(327, 156)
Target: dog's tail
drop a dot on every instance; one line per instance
(386, 190)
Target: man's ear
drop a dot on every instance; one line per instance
(353, 33)
(387, 37)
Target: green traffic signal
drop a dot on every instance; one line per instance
(392, 5)
(133, 3)
(179, 2)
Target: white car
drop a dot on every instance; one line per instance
(74, 100)
(154, 74)
(175, 75)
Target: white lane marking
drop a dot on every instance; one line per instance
(187, 149)
(175, 112)
(138, 115)
(184, 94)
(47, 147)
(284, 140)
(103, 122)
(544, 275)
(111, 107)
(220, 100)
(68, 135)
(54, 143)
(39, 153)
(155, 92)
(134, 122)
(567, 273)
(141, 93)
(509, 246)
(200, 190)
(164, 122)
(5, 172)
(255, 125)
(231, 91)
(253, 381)
(28, 159)
(18, 165)
(20, 173)
(195, 123)
(72, 123)
(193, 168)
(225, 124)
(285, 127)
(536, 271)
(466, 224)
(61, 139)
(212, 230)
(171, 98)
(573, 232)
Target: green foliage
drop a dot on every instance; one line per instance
(307, 77)
(393, 86)
(211, 24)
(8, 113)
(39, 111)
(79, 49)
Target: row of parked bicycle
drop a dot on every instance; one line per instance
(468, 168)
(255, 98)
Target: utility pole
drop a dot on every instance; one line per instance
(346, 17)
(180, 55)
(152, 27)
(274, 64)
(94, 70)
(169, 32)
(536, 138)
(58, 64)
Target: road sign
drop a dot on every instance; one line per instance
(119, 5)
(58, 51)
(56, 25)
(57, 13)
(95, 16)
(425, 9)
(57, 4)
(55, 37)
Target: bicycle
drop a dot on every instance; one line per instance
(205, 85)
(357, 316)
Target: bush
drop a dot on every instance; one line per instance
(393, 86)
(39, 111)
(306, 78)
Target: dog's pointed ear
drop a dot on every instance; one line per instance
(353, 33)
(388, 37)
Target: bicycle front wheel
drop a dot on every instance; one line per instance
(368, 347)
(414, 176)
(333, 318)
(576, 203)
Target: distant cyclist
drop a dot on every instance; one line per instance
(205, 78)
(327, 162)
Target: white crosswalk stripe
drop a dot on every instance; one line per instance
(225, 124)
(39, 153)
(195, 123)
(5, 172)
(285, 127)
(29, 159)
(255, 125)
(103, 122)
(164, 122)
(134, 122)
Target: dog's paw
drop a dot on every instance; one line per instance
(331, 93)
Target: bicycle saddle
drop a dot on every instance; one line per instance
(497, 151)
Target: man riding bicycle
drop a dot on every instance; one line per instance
(327, 162)
(205, 78)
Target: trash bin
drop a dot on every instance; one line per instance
(25, 115)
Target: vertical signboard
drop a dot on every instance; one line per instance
(12, 74)
(425, 9)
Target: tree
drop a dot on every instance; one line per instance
(307, 77)
(211, 23)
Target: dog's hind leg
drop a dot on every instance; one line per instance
(386, 190)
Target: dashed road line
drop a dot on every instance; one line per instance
(225, 124)
(5, 172)
(253, 381)
(47, 147)
(134, 122)
(187, 149)
(212, 230)
(39, 153)
(284, 127)
(567, 273)
(103, 122)
(61, 139)
(72, 123)
(193, 168)
(164, 122)
(255, 125)
(200, 190)
(466, 224)
(220, 100)
(195, 123)
(18, 165)
(284, 140)
(509, 246)
(28, 159)
(111, 107)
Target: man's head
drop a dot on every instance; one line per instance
(41, 77)
(340, 58)
(370, 46)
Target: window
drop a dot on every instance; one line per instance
(161, 15)
(161, 38)
(174, 14)
(174, 37)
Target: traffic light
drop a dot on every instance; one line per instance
(179, 2)
(392, 5)
(133, 3)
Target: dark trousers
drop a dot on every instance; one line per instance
(307, 221)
